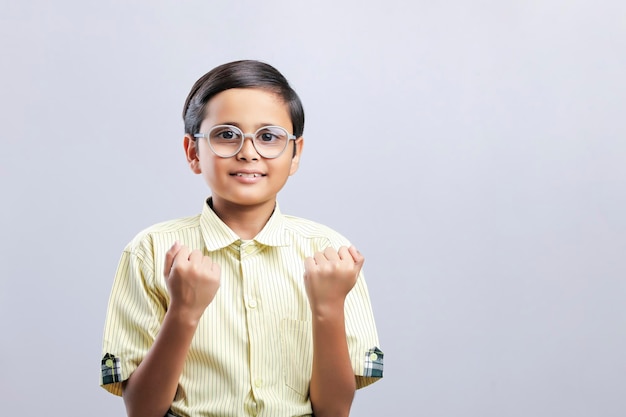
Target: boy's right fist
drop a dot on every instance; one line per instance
(192, 280)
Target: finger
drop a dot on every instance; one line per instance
(195, 256)
(169, 258)
(309, 264)
(181, 256)
(207, 262)
(331, 254)
(319, 257)
(344, 254)
(356, 255)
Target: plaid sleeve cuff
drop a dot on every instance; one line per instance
(111, 371)
(373, 365)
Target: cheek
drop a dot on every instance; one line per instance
(283, 166)
(210, 165)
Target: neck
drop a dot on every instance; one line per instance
(245, 221)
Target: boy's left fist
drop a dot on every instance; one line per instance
(330, 275)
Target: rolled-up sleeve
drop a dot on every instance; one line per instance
(363, 344)
(135, 311)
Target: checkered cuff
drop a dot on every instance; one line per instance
(111, 369)
(373, 363)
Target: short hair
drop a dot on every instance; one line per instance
(240, 74)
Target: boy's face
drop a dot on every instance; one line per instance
(245, 179)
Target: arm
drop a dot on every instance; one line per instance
(329, 277)
(192, 281)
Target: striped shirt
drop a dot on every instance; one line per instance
(252, 352)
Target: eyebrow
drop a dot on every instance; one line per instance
(256, 127)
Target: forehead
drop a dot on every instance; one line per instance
(248, 108)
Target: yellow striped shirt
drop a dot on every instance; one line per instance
(252, 352)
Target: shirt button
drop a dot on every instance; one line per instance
(373, 356)
(249, 249)
(252, 303)
(258, 383)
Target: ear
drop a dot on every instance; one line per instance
(191, 152)
(295, 160)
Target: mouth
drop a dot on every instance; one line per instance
(247, 174)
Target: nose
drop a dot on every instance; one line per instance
(248, 151)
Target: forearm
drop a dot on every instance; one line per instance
(332, 381)
(151, 388)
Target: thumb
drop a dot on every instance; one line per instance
(169, 258)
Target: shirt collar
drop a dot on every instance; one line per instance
(218, 235)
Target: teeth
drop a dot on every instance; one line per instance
(241, 174)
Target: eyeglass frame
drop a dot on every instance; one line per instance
(252, 136)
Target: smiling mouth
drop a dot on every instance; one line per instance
(246, 175)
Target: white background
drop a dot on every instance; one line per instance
(474, 151)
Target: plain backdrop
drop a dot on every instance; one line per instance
(474, 151)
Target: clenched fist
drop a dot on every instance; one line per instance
(330, 275)
(192, 280)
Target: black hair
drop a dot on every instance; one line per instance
(240, 74)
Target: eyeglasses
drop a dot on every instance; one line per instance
(226, 140)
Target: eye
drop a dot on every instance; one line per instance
(271, 135)
(225, 134)
(268, 137)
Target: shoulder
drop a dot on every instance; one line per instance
(308, 229)
(167, 231)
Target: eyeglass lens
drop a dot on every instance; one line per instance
(269, 141)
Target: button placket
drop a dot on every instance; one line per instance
(249, 270)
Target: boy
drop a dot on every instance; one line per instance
(241, 310)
